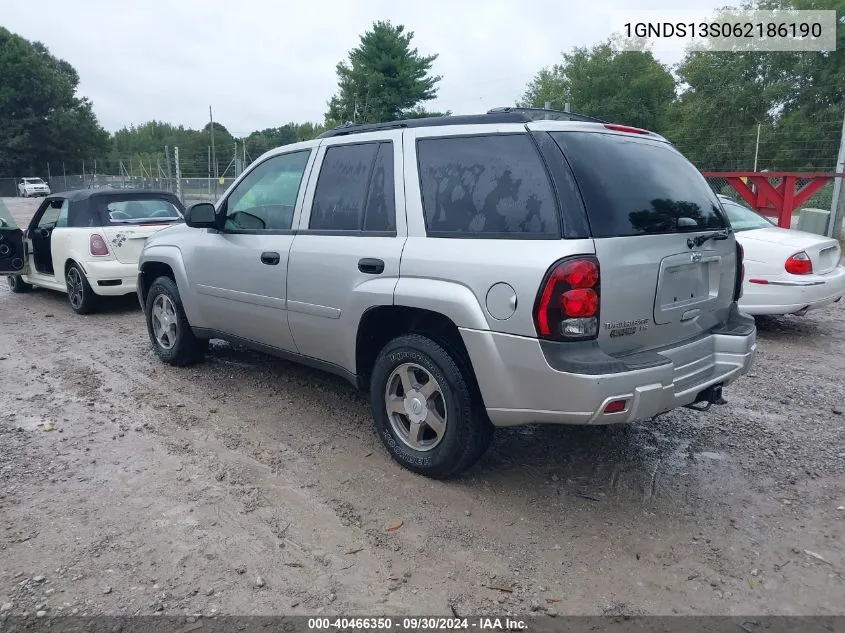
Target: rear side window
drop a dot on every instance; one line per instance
(486, 186)
(355, 189)
(638, 186)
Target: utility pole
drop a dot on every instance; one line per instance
(211, 129)
(169, 169)
(547, 106)
(837, 204)
(757, 147)
(178, 173)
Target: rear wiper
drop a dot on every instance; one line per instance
(698, 240)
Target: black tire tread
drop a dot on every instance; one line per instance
(189, 349)
(20, 285)
(89, 297)
(476, 429)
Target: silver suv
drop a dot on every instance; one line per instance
(469, 272)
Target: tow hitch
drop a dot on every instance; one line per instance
(710, 396)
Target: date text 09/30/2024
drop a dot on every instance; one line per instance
(416, 624)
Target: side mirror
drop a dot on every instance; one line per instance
(201, 216)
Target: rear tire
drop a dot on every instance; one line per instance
(426, 409)
(170, 333)
(17, 284)
(79, 293)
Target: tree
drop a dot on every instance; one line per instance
(41, 118)
(629, 87)
(384, 79)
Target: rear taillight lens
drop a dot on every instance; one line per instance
(799, 264)
(740, 271)
(97, 245)
(567, 306)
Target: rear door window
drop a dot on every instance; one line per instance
(355, 190)
(634, 186)
(486, 186)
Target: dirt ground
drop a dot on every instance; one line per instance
(249, 485)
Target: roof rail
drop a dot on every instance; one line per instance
(541, 114)
(496, 115)
(463, 119)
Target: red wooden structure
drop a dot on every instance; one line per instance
(775, 200)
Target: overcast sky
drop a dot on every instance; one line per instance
(261, 63)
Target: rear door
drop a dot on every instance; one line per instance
(128, 222)
(345, 257)
(12, 255)
(649, 210)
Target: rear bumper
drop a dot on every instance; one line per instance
(780, 296)
(520, 386)
(111, 278)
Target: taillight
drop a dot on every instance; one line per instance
(567, 306)
(740, 271)
(799, 264)
(97, 245)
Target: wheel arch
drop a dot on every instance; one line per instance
(381, 324)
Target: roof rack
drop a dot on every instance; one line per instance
(496, 115)
(541, 114)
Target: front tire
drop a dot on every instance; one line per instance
(17, 284)
(79, 293)
(426, 409)
(170, 333)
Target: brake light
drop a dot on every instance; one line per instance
(799, 264)
(97, 245)
(740, 271)
(626, 128)
(567, 306)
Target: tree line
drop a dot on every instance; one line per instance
(712, 105)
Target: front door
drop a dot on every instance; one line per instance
(345, 257)
(12, 253)
(240, 272)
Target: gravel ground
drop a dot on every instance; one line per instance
(249, 485)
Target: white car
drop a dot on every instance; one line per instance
(786, 271)
(29, 187)
(85, 243)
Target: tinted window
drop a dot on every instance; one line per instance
(342, 187)
(265, 199)
(83, 213)
(486, 185)
(638, 186)
(380, 212)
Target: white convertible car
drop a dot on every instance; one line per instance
(786, 271)
(85, 243)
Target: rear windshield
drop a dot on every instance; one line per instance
(634, 186)
(144, 210)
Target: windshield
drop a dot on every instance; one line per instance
(744, 219)
(33, 181)
(140, 211)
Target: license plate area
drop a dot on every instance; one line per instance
(683, 285)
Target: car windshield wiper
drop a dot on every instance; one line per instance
(698, 240)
